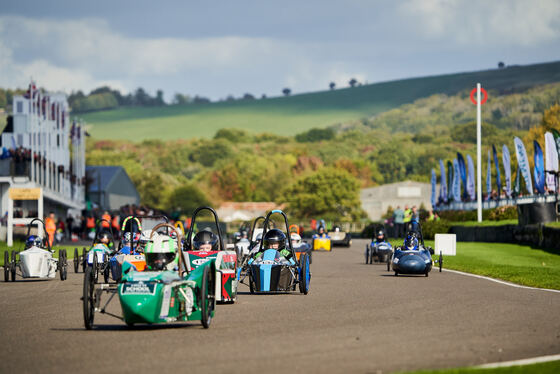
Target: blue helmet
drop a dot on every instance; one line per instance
(411, 243)
(33, 240)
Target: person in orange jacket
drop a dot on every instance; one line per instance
(106, 220)
(50, 226)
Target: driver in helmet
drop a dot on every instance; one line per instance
(320, 233)
(275, 239)
(205, 241)
(144, 239)
(296, 240)
(379, 236)
(104, 237)
(126, 249)
(411, 243)
(160, 255)
(33, 241)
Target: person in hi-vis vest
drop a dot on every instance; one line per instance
(50, 226)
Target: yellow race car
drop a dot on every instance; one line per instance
(322, 244)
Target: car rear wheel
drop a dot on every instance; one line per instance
(304, 275)
(95, 267)
(13, 266)
(76, 260)
(88, 298)
(7, 266)
(106, 270)
(84, 259)
(396, 273)
(207, 298)
(389, 263)
(251, 284)
(62, 264)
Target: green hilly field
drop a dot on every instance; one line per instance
(297, 113)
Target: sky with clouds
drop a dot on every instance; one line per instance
(220, 48)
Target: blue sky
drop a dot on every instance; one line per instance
(260, 47)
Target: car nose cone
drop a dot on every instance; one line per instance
(413, 264)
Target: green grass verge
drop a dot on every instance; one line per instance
(542, 368)
(297, 113)
(485, 223)
(18, 245)
(510, 262)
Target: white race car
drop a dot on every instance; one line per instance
(36, 260)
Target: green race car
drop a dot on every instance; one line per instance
(165, 292)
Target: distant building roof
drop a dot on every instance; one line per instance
(107, 173)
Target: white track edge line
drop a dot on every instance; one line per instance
(501, 281)
(526, 361)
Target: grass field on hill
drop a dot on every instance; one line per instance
(297, 113)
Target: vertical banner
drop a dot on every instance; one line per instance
(443, 182)
(462, 172)
(498, 178)
(470, 179)
(456, 181)
(516, 183)
(556, 135)
(538, 171)
(507, 169)
(433, 201)
(551, 160)
(523, 164)
(450, 184)
(489, 178)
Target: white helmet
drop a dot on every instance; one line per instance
(295, 238)
(145, 236)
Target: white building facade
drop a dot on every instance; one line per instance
(45, 151)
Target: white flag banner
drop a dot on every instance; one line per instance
(456, 190)
(470, 178)
(506, 159)
(551, 160)
(523, 164)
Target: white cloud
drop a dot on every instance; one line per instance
(87, 53)
(482, 22)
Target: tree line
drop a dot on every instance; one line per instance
(312, 171)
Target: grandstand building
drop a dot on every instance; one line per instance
(42, 164)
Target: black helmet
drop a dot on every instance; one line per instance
(205, 237)
(104, 234)
(321, 228)
(274, 236)
(380, 234)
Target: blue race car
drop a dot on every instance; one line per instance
(414, 257)
(275, 267)
(379, 250)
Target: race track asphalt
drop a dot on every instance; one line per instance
(357, 318)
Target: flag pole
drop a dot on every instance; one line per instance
(478, 152)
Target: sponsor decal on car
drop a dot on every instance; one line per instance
(200, 261)
(139, 288)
